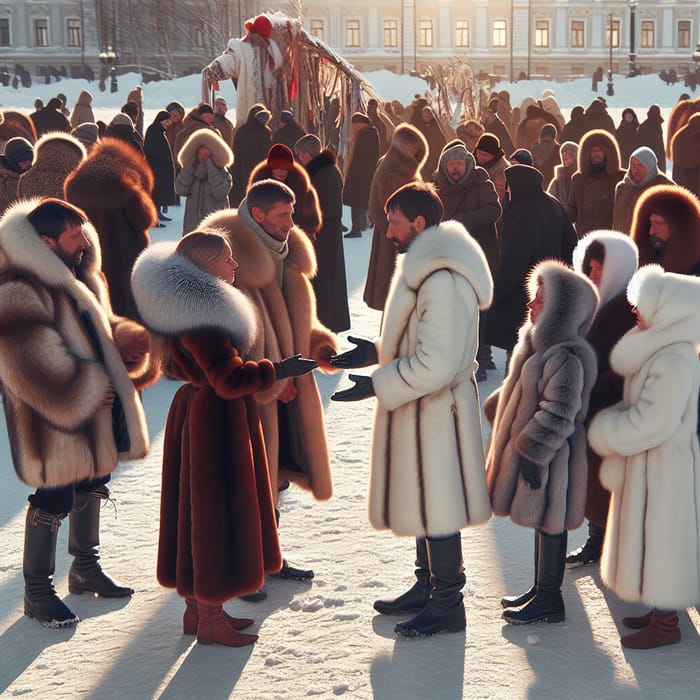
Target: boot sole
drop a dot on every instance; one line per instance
(396, 613)
(79, 591)
(412, 633)
(53, 624)
(558, 617)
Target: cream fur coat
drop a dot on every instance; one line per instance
(427, 474)
(649, 445)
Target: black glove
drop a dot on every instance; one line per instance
(530, 473)
(362, 389)
(364, 355)
(293, 367)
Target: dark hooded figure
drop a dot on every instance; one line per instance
(157, 151)
(545, 153)
(251, 142)
(575, 128)
(627, 134)
(50, 118)
(651, 134)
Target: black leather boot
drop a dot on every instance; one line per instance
(590, 551)
(416, 597)
(444, 611)
(40, 599)
(511, 601)
(547, 605)
(86, 575)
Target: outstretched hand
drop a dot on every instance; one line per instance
(293, 367)
(530, 473)
(362, 389)
(363, 354)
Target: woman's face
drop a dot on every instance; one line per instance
(224, 267)
(567, 159)
(536, 305)
(280, 174)
(595, 273)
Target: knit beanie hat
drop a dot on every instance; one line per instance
(570, 147)
(122, 119)
(522, 156)
(204, 108)
(17, 150)
(87, 133)
(280, 157)
(286, 116)
(456, 150)
(490, 144)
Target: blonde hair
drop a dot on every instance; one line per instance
(202, 248)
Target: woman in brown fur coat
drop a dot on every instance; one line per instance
(218, 535)
(113, 187)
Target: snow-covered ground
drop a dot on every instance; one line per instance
(322, 639)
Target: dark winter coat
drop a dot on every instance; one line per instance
(60, 349)
(56, 156)
(597, 117)
(651, 134)
(685, 150)
(436, 142)
(530, 128)
(251, 143)
(49, 119)
(627, 136)
(627, 194)
(127, 134)
(534, 227)
(206, 185)
(401, 165)
(499, 129)
(218, 535)
(539, 410)
(360, 171)
(330, 284)
(575, 128)
(545, 156)
(307, 212)
(560, 186)
(474, 203)
(157, 151)
(288, 135)
(592, 196)
(113, 187)
(225, 128)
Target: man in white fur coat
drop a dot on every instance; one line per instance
(428, 478)
(72, 410)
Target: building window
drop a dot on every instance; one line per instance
(684, 34)
(612, 28)
(646, 40)
(73, 26)
(499, 33)
(41, 32)
(391, 33)
(352, 33)
(462, 34)
(4, 32)
(317, 28)
(541, 33)
(577, 34)
(425, 33)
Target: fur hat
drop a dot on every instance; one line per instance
(261, 25)
(122, 119)
(490, 144)
(87, 134)
(570, 147)
(17, 150)
(522, 156)
(280, 157)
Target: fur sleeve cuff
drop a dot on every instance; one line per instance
(323, 344)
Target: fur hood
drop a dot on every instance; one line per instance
(621, 257)
(682, 211)
(601, 138)
(448, 246)
(111, 160)
(410, 144)
(176, 297)
(570, 303)
(21, 249)
(668, 303)
(59, 146)
(220, 152)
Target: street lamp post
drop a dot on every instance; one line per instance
(633, 56)
(108, 58)
(610, 91)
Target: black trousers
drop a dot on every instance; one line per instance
(60, 500)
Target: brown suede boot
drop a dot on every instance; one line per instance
(637, 623)
(662, 629)
(190, 619)
(213, 627)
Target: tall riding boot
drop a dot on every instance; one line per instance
(86, 575)
(213, 627)
(288, 571)
(40, 599)
(416, 597)
(590, 551)
(509, 601)
(547, 605)
(190, 619)
(444, 611)
(661, 630)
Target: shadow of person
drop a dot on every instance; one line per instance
(411, 671)
(22, 643)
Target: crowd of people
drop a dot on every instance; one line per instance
(565, 243)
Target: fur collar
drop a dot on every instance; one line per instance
(570, 302)
(620, 261)
(447, 246)
(668, 303)
(175, 297)
(22, 249)
(221, 154)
